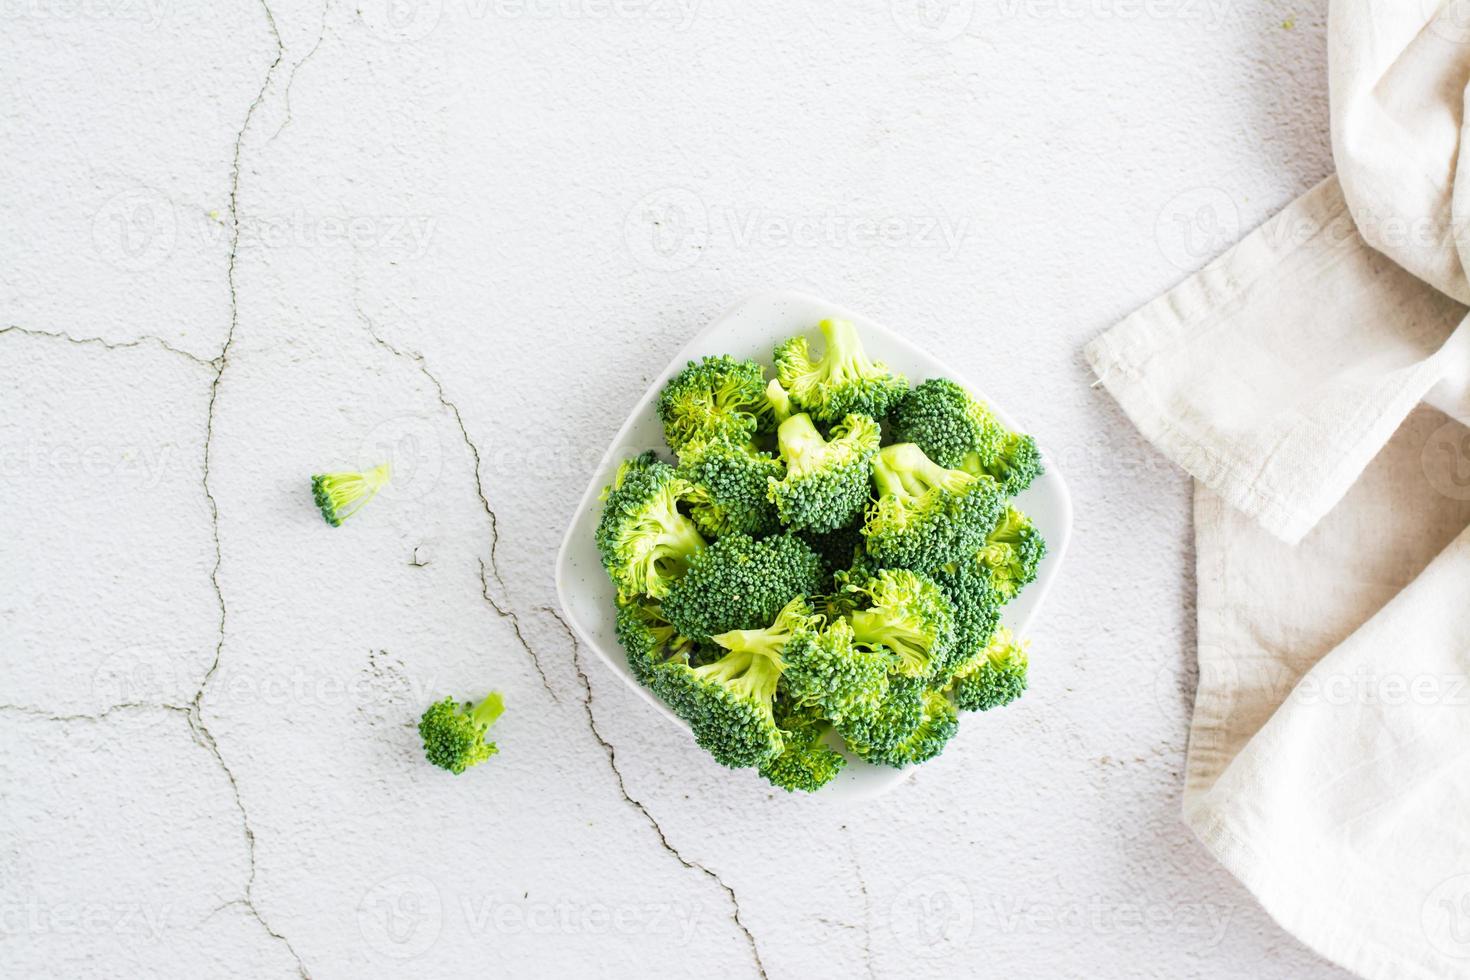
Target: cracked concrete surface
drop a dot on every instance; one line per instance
(249, 241)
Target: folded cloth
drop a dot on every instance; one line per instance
(1303, 379)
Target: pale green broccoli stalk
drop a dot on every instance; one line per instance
(781, 407)
(831, 672)
(715, 398)
(728, 487)
(826, 483)
(740, 583)
(340, 495)
(644, 540)
(1012, 553)
(454, 735)
(843, 382)
(959, 431)
(648, 638)
(926, 515)
(806, 763)
(905, 613)
(993, 677)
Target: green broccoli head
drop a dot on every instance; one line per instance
(728, 484)
(843, 382)
(806, 763)
(826, 483)
(340, 495)
(715, 398)
(971, 588)
(454, 735)
(958, 431)
(912, 725)
(995, 676)
(829, 671)
(905, 613)
(648, 638)
(645, 542)
(1012, 553)
(926, 515)
(739, 583)
(838, 549)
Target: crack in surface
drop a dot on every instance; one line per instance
(612, 762)
(291, 78)
(857, 869)
(488, 570)
(145, 340)
(42, 714)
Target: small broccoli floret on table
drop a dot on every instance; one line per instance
(454, 734)
(648, 638)
(806, 763)
(340, 495)
(926, 515)
(906, 614)
(844, 381)
(826, 483)
(644, 540)
(994, 676)
(728, 487)
(715, 398)
(912, 725)
(729, 703)
(1012, 552)
(959, 431)
(740, 583)
(830, 672)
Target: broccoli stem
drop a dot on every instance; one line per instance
(489, 709)
(903, 470)
(844, 358)
(801, 444)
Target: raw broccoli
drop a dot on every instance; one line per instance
(729, 703)
(340, 495)
(831, 672)
(838, 549)
(740, 583)
(645, 542)
(905, 613)
(716, 398)
(781, 407)
(926, 515)
(648, 638)
(454, 736)
(826, 483)
(843, 382)
(994, 677)
(970, 586)
(1012, 552)
(728, 487)
(958, 431)
(912, 725)
(806, 763)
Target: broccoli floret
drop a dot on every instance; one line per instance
(648, 638)
(454, 736)
(340, 495)
(970, 586)
(806, 763)
(826, 483)
(843, 382)
(926, 515)
(716, 398)
(729, 703)
(958, 431)
(905, 613)
(781, 407)
(829, 671)
(994, 677)
(729, 487)
(912, 725)
(838, 549)
(739, 583)
(1012, 552)
(645, 542)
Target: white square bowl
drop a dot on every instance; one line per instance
(752, 329)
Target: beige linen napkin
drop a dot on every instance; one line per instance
(1302, 379)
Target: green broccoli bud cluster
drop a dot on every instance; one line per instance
(454, 734)
(340, 495)
(841, 597)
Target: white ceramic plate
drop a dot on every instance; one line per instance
(751, 330)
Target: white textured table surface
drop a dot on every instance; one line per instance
(240, 243)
